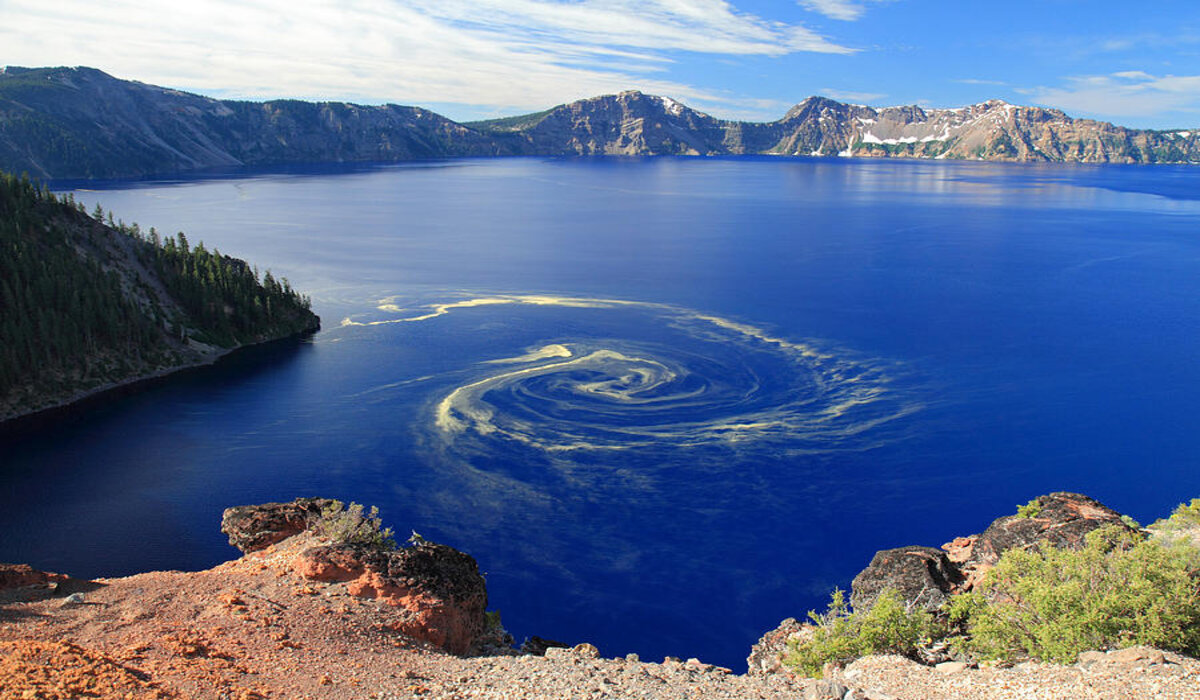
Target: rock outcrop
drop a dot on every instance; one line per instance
(1058, 520)
(438, 589)
(23, 575)
(251, 528)
(926, 577)
(435, 593)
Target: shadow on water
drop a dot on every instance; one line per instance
(230, 370)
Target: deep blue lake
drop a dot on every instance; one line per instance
(664, 402)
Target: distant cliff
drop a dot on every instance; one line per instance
(81, 122)
(635, 124)
(86, 306)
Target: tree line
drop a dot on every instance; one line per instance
(75, 310)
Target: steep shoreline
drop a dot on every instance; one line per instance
(82, 401)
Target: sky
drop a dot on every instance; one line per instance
(1132, 63)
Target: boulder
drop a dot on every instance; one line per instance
(251, 528)
(923, 576)
(436, 592)
(1060, 520)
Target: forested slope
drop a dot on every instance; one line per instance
(85, 304)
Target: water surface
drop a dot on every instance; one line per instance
(664, 402)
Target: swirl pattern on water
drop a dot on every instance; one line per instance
(679, 378)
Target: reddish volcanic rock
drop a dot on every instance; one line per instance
(251, 528)
(1063, 520)
(331, 563)
(437, 589)
(22, 575)
(959, 549)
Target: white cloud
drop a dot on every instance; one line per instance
(506, 54)
(847, 10)
(854, 97)
(1124, 94)
(979, 81)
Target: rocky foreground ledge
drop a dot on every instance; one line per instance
(303, 616)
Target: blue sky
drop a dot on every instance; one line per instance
(1136, 64)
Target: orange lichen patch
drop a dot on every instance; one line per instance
(61, 670)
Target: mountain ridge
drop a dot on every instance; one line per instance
(83, 123)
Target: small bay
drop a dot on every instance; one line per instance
(665, 402)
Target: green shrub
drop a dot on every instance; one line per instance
(1031, 509)
(839, 636)
(1128, 520)
(1185, 516)
(1052, 604)
(349, 525)
(1180, 533)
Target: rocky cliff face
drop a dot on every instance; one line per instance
(81, 122)
(994, 130)
(630, 123)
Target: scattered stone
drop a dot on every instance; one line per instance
(1131, 657)
(73, 599)
(766, 656)
(951, 667)
(1142, 656)
(934, 653)
(825, 690)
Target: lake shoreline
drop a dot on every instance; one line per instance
(83, 402)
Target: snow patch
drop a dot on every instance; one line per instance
(671, 106)
(868, 137)
(1184, 134)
